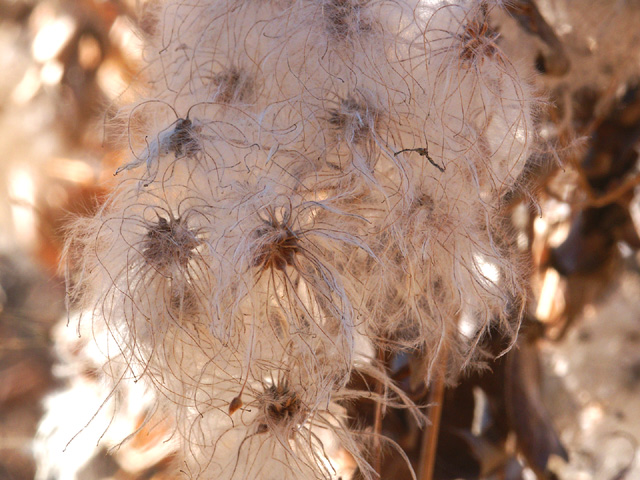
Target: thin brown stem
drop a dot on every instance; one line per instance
(430, 434)
(615, 194)
(377, 422)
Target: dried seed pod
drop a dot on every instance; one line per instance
(233, 85)
(346, 18)
(281, 408)
(235, 404)
(181, 137)
(353, 120)
(182, 141)
(169, 243)
(278, 242)
(280, 404)
(478, 40)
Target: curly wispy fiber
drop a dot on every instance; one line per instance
(311, 181)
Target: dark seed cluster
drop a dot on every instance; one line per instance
(281, 404)
(278, 246)
(354, 120)
(345, 18)
(169, 242)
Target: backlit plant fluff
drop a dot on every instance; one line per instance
(310, 182)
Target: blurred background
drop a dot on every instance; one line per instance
(563, 404)
(65, 64)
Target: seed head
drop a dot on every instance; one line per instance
(280, 405)
(354, 120)
(279, 243)
(169, 243)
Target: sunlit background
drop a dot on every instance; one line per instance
(65, 64)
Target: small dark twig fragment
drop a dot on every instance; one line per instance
(423, 151)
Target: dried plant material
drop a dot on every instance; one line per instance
(346, 19)
(478, 39)
(424, 152)
(354, 121)
(234, 405)
(279, 243)
(536, 437)
(233, 86)
(554, 62)
(280, 405)
(169, 243)
(334, 194)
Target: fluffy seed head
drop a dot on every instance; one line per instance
(169, 242)
(335, 191)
